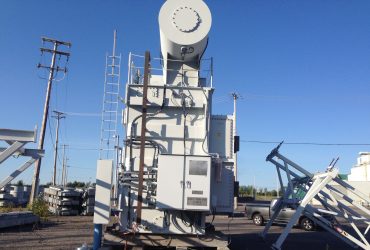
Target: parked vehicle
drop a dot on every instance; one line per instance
(260, 212)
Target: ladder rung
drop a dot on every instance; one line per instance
(109, 120)
(114, 56)
(111, 102)
(114, 65)
(112, 93)
(109, 130)
(111, 83)
(110, 74)
(107, 140)
(109, 111)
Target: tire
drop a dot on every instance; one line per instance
(307, 224)
(258, 220)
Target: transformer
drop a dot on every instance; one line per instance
(188, 164)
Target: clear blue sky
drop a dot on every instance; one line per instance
(303, 68)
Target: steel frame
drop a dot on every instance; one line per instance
(17, 139)
(319, 186)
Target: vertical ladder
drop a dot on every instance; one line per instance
(109, 117)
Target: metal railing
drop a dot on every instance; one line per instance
(135, 69)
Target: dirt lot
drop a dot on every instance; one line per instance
(56, 233)
(72, 232)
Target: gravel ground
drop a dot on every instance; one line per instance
(56, 233)
(72, 232)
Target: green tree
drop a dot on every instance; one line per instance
(246, 190)
(76, 184)
(274, 193)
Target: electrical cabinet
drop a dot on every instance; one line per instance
(221, 136)
(184, 182)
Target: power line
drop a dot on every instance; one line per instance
(82, 114)
(81, 167)
(81, 148)
(307, 143)
(264, 97)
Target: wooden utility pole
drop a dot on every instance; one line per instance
(142, 137)
(58, 115)
(63, 181)
(53, 68)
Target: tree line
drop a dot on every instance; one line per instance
(249, 190)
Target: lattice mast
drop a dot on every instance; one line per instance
(109, 135)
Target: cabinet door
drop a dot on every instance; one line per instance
(197, 183)
(170, 182)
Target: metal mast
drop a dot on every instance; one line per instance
(235, 96)
(109, 137)
(52, 70)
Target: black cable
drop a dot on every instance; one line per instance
(228, 230)
(184, 140)
(308, 143)
(164, 97)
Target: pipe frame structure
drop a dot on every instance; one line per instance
(318, 186)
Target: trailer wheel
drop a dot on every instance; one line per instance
(307, 224)
(257, 220)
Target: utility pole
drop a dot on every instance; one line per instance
(52, 69)
(66, 174)
(235, 96)
(64, 166)
(58, 115)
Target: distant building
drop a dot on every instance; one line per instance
(359, 178)
(361, 171)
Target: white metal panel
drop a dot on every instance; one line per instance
(160, 129)
(197, 183)
(156, 80)
(170, 182)
(104, 175)
(222, 186)
(221, 136)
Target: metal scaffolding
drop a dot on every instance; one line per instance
(329, 191)
(17, 139)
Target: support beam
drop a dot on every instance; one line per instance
(18, 135)
(17, 139)
(11, 150)
(34, 153)
(17, 172)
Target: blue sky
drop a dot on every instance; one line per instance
(302, 67)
